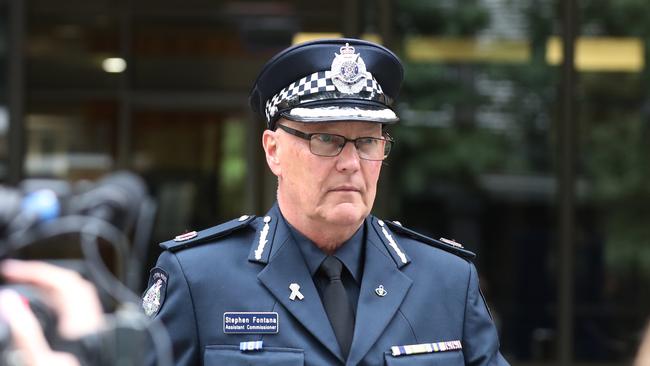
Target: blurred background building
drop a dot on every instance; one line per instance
(525, 134)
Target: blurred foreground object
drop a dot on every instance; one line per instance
(118, 202)
(31, 347)
(51, 315)
(643, 357)
(72, 298)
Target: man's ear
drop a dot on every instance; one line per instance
(270, 144)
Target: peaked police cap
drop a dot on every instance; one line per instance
(329, 80)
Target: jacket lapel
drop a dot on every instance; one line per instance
(374, 312)
(286, 266)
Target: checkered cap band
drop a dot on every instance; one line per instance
(319, 82)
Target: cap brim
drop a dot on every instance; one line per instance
(342, 113)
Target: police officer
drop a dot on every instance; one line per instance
(318, 280)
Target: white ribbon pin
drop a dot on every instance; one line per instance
(295, 292)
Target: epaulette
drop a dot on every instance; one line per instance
(194, 238)
(444, 244)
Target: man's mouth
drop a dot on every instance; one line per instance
(345, 189)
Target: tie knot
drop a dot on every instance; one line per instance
(332, 267)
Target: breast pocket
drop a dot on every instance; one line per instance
(217, 355)
(450, 358)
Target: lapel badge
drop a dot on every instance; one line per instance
(251, 346)
(295, 292)
(451, 242)
(263, 234)
(414, 349)
(392, 242)
(186, 236)
(348, 71)
(380, 291)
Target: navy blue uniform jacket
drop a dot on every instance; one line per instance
(432, 295)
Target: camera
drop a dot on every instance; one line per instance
(106, 212)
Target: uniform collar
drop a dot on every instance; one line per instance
(284, 264)
(350, 253)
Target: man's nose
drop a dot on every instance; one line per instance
(349, 157)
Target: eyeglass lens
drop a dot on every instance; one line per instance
(369, 148)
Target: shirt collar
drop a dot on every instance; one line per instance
(350, 253)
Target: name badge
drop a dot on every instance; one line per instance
(251, 323)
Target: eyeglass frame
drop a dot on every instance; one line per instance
(308, 136)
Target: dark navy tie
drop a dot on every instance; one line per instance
(338, 307)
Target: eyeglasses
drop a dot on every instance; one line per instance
(328, 144)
